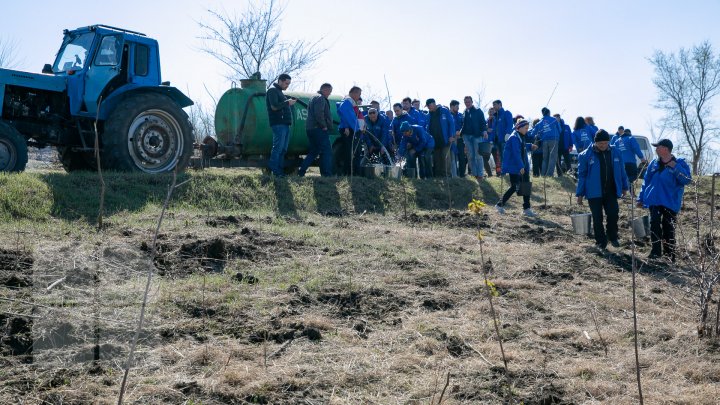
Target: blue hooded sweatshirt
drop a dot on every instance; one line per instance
(420, 140)
(458, 120)
(395, 125)
(582, 139)
(348, 118)
(502, 124)
(665, 186)
(589, 182)
(418, 117)
(548, 129)
(515, 154)
(628, 145)
(380, 129)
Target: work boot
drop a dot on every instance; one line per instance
(500, 209)
(528, 212)
(615, 243)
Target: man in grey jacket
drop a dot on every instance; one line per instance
(318, 124)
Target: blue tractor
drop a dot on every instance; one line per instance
(104, 79)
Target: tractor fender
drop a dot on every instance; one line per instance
(112, 101)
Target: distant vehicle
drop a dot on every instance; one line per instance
(105, 79)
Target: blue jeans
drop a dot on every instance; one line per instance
(475, 160)
(281, 140)
(319, 145)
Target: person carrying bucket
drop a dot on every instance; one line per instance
(515, 163)
(602, 180)
(662, 192)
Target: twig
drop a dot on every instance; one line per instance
(442, 394)
(101, 209)
(597, 329)
(54, 283)
(153, 252)
(634, 305)
(479, 354)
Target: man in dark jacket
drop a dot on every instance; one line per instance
(564, 146)
(602, 180)
(278, 108)
(458, 145)
(441, 127)
(318, 124)
(474, 131)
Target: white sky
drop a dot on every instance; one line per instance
(515, 50)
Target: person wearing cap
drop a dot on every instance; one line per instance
(602, 180)
(441, 127)
(317, 126)
(628, 145)
(376, 137)
(662, 192)
(502, 128)
(474, 131)
(417, 144)
(515, 163)
(458, 145)
(564, 146)
(548, 129)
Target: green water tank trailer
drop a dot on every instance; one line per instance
(244, 137)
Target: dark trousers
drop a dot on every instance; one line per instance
(441, 161)
(497, 156)
(632, 171)
(609, 203)
(662, 231)
(486, 163)
(515, 180)
(319, 145)
(348, 145)
(563, 162)
(536, 163)
(462, 157)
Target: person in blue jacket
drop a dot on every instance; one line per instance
(662, 192)
(582, 135)
(350, 117)
(602, 180)
(459, 167)
(417, 116)
(537, 155)
(628, 145)
(400, 117)
(564, 146)
(502, 127)
(549, 131)
(473, 132)
(590, 121)
(376, 137)
(515, 163)
(441, 127)
(417, 144)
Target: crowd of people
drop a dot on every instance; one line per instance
(443, 142)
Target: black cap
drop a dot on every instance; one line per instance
(664, 142)
(602, 136)
(429, 101)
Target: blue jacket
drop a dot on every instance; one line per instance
(567, 136)
(418, 117)
(381, 130)
(502, 125)
(533, 136)
(515, 154)
(420, 140)
(447, 123)
(548, 129)
(458, 120)
(665, 187)
(395, 126)
(348, 118)
(474, 122)
(628, 145)
(582, 139)
(589, 182)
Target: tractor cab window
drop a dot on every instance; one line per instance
(109, 52)
(74, 52)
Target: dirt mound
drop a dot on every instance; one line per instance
(15, 268)
(181, 256)
(228, 220)
(452, 218)
(372, 303)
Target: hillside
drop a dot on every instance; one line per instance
(326, 291)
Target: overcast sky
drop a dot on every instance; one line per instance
(596, 52)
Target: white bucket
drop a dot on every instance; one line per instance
(581, 223)
(641, 226)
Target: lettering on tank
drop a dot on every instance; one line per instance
(302, 114)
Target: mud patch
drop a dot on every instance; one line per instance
(15, 268)
(228, 220)
(181, 256)
(452, 218)
(373, 303)
(17, 339)
(548, 277)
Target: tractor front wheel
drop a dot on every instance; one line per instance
(13, 149)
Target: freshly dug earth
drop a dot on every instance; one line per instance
(346, 309)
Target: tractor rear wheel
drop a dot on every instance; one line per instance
(13, 149)
(147, 132)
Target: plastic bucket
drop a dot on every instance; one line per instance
(373, 171)
(393, 172)
(485, 147)
(641, 226)
(581, 223)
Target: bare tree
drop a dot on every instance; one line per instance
(250, 42)
(8, 56)
(687, 82)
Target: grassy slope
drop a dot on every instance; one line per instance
(397, 301)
